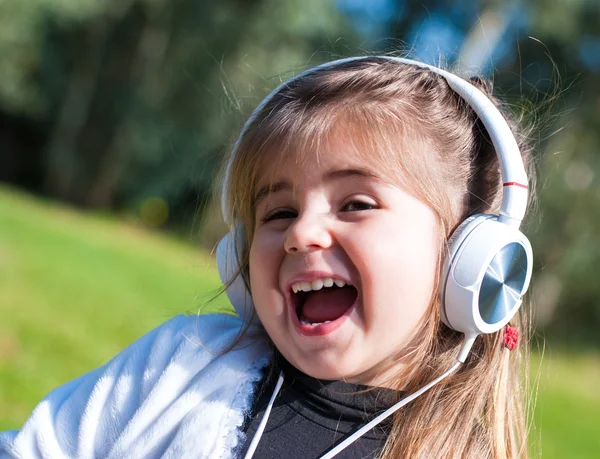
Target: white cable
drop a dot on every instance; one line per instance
(263, 421)
(464, 351)
(360, 432)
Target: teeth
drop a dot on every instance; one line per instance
(306, 322)
(317, 284)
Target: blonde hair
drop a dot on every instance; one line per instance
(408, 121)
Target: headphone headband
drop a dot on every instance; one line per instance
(489, 264)
(514, 177)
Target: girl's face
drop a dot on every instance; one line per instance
(364, 248)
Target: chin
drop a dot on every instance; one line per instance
(327, 369)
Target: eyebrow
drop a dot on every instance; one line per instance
(331, 175)
(356, 172)
(269, 189)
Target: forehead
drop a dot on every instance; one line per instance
(330, 155)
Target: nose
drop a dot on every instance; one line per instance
(307, 233)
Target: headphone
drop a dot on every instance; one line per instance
(489, 262)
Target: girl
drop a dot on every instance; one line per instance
(357, 313)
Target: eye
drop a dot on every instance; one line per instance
(357, 205)
(279, 214)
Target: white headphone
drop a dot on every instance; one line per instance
(490, 261)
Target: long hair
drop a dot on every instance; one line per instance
(407, 121)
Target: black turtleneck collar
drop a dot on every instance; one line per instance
(310, 416)
(335, 404)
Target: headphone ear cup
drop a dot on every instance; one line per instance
(228, 264)
(487, 272)
(454, 243)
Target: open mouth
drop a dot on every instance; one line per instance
(322, 301)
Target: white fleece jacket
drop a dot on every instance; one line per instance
(168, 395)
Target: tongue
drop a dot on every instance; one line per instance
(327, 304)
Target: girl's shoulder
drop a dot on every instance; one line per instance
(154, 397)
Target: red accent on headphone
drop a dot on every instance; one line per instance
(515, 184)
(511, 336)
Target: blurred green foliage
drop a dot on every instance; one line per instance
(139, 98)
(108, 103)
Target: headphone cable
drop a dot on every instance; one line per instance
(364, 429)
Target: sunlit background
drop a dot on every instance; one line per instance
(115, 116)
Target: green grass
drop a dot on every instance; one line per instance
(567, 412)
(76, 288)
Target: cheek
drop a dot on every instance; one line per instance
(264, 264)
(401, 266)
